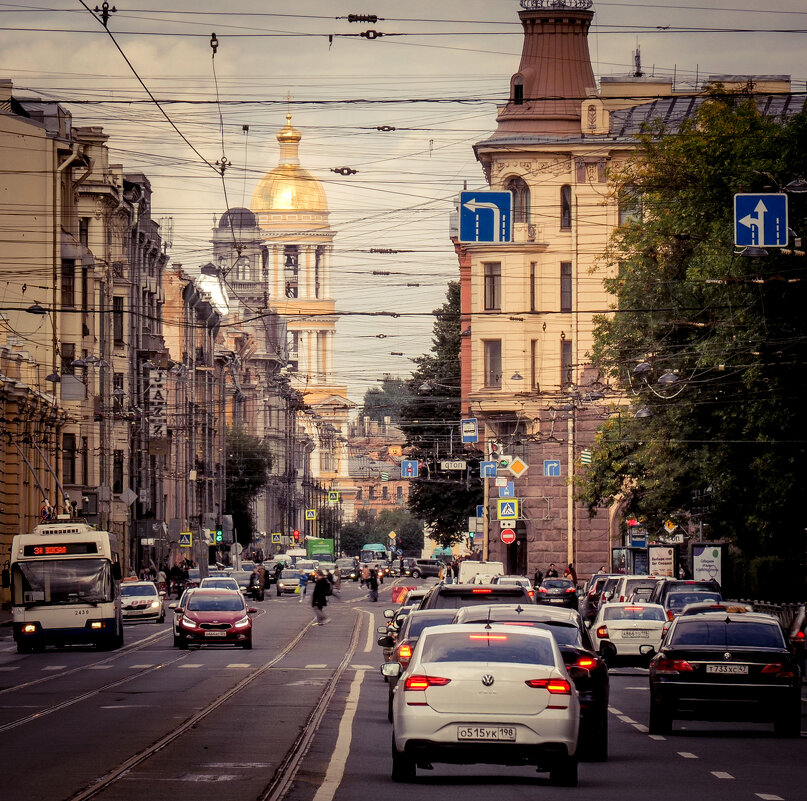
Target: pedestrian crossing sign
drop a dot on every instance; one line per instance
(185, 539)
(310, 514)
(277, 538)
(507, 509)
(333, 497)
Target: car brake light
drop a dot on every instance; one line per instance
(570, 589)
(634, 608)
(543, 589)
(419, 682)
(531, 593)
(500, 637)
(586, 662)
(405, 651)
(602, 632)
(673, 666)
(670, 614)
(518, 623)
(554, 686)
(800, 635)
(481, 591)
(780, 670)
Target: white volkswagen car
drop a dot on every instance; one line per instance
(620, 629)
(485, 693)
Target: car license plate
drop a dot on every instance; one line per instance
(740, 670)
(556, 600)
(494, 733)
(636, 633)
(215, 634)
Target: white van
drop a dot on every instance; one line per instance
(473, 572)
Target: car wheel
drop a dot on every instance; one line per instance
(161, 619)
(177, 641)
(564, 773)
(788, 724)
(247, 646)
(24, 648)
(415, 574)
(183, 644)
(278, 593)
(389, 706)
(660, 719)
(403, 766)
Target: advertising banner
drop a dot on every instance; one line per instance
(707, 562)
(661, 560)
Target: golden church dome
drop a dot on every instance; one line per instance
(289, 187)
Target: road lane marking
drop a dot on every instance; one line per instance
(140, 667)
(126, 706)
(769, 797)
(193, 665)
(312, 667)
(721, 774)
(626, 719)
(99, 667)
(54, 667)
(637, 688)
(336, 767)
(209, 777)
(657, 737)
(687, 755)
(239, 665)
(370, 644)
(363, 667)
(641, 727)
(614, 711)
(11, 667)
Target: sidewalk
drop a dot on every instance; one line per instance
(5, 617)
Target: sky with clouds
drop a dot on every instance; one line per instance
(435, 76)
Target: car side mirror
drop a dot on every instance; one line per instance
(116, 572)
(391, 669)
(173, 605)
(386, 642)
(389, 613)
(162, 593)
(381, 629)
(647, 650)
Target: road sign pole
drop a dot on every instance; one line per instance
(486, 523)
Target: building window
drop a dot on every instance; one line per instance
(84, 231)
(493, 287)
(399, 492)
(533, 267)
(566, 207)
(117, 472)
(68, 458)
(566, 286)
(521, 199)
(371, 493)
(493, 363)
(385, 493)
(534, 364)
(358, 494)
(68, 283)
(117, 392)
(630, 206)
(518, 90)
(291, 263)
(117, 320)
(565, 363)
(68, 355)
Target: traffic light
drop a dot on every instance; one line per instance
(296, 535)
(471, 535)
(219, 535)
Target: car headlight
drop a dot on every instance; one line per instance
(187, 623)
(281, 584)
(155, 604)
(240, 624)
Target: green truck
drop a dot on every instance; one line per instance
(320, 549)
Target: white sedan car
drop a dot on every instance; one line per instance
(140, 601)
(484, 693)
(620, 629)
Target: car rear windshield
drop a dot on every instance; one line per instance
(725, 635)
(564, 633)
(416, 624)
(556, 584)
(678, 600)
(220, 584)
(218, 603)
(633, 613)
(488, 646)
(456, 600)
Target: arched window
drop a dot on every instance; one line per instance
(565, 207)
(521, 199)
(518, 90)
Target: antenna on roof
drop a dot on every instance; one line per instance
(637, 62)
(487, 624)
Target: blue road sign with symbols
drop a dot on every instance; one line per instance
(487, 469)
(480, 510)
(409, 468)
(508, 490)
(469, 430)
(552, 468)
(760, 220)
(486, 216)
(185, 539)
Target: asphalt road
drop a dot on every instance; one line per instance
(303, 716)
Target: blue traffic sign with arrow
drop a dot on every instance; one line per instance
(486, 216)
(760, 220)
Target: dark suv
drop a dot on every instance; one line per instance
(427, 567)
(692, 587)
(454, 596)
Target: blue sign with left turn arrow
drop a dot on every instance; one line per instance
(486, 217)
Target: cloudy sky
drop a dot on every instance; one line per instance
(435, 76)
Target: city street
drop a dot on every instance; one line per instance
(303, 716)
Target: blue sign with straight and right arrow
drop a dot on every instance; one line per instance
(760, 220)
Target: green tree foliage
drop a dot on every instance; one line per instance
(366, 529)
(386, 400)
(432, 429)
(729, 332)
(248, 465)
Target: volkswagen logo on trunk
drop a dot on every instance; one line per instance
(487, 679)
(727, 655)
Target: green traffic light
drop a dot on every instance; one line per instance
(219, 536)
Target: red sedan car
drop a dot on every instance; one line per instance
(215, 617)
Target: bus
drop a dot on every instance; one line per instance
(374, 552)
(65, 587)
